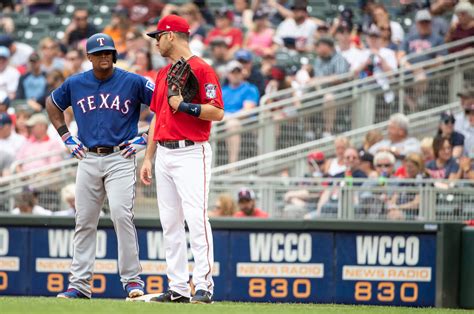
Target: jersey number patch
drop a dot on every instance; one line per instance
(210, 91)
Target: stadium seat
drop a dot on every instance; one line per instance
(44, 18)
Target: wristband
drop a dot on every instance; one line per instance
(62, 130)
(191, 109)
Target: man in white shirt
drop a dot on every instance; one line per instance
(462, 124)
(352, 54)
(19, 52)
(397, 142)
(10, 141)
(9, 76)
(297, 32)
(26, 204)
(378, 60)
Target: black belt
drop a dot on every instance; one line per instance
(105, 150)
(176, 144)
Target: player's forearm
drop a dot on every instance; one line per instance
(56, 116)
(211, 113)
(151, 145)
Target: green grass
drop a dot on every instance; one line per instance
(10, 305)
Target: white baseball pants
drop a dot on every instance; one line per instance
(182, 185)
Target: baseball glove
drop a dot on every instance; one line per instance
(181, 79)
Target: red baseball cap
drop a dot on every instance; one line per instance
(171, 23)
(317, 156)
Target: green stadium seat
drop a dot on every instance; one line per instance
(44, 18)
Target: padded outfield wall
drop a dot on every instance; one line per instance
(384, 263)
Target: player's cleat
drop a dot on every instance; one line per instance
(134, 289)
(202, 297)
(170, 296)
(72, 293)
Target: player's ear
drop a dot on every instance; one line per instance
(89, 57)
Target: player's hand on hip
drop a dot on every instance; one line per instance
(130, 148)
(74, 145)
(145, 172)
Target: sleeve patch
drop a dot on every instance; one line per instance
(150, 85)
(211, 90)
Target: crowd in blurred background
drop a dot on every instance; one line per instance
(257, 47)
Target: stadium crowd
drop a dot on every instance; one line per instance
(245, 42)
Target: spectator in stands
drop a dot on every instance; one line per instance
(251, 73)
(232, 36)
(141, 11)
(327, 66)
(439, 7)
(22, 115)
(69, 198)
(381, 18)
(278, 10)
(426, 146)
(268, 62)
(242, 14)
(25, 203)
(404, 204)
(238, 95)
(143, 65)
(7, 25)
(74, 62)
(366, 163)
(224, 207)
(371, 138)
(219, 58)
(34, 6)
(468, 132)
(198, 32)
(464, 27)
(444, 166)
(302, 200)
(79, 28)
(378, 60)
(423, 39)
(386, 38)
(462, 124)
(351, 53)
(39, 143)
(4, 102)
(246, 203)
(328, 202)
(337, 165)
(50, 55)
(446, 130)
(33, 84)
(19, 52)
(118, 28)
(297, 32)
(9, 76)
(259, 38)
(397, 142)
(53, 80)
(10, 141)
(372, 204)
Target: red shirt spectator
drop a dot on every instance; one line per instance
(232, 36)
(465, 26)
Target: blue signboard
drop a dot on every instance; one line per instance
(51, 256)
(282, 266)
(386, 269)
(15, 277)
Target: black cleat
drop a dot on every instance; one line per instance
(170, 296)
(202, 297)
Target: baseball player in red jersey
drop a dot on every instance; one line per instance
(180, 131)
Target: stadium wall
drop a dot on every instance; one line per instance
(382, 263)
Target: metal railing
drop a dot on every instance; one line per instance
(293, 159)
(302, 198)
(289, 118)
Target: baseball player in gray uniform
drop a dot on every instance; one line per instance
(106, 103)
